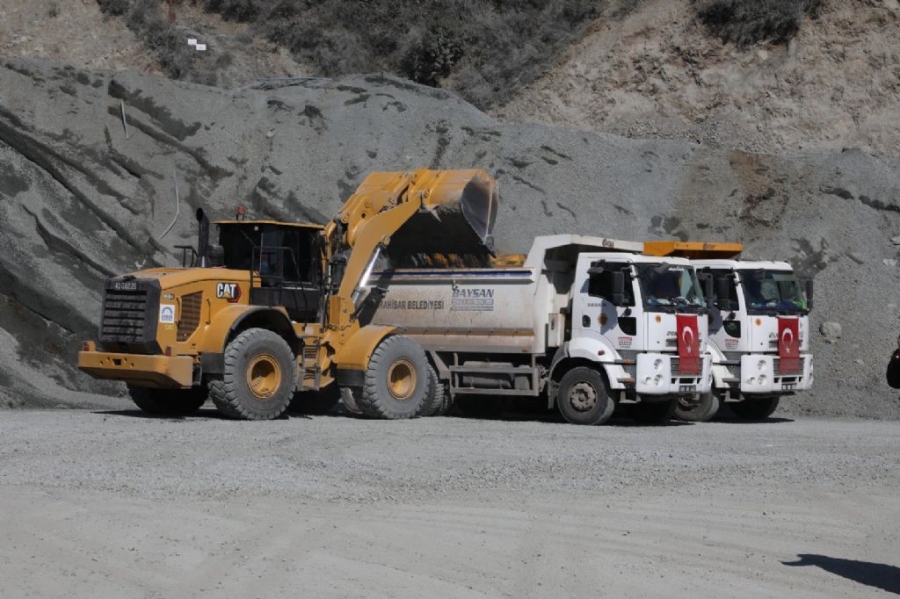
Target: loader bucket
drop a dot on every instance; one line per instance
(456, 223)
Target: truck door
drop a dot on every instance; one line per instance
(599, 316)
(725, 317)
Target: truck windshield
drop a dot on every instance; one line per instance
(772, 290)
(666, 285)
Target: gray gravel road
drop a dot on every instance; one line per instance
(110, 504)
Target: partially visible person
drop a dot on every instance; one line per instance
(893, 369)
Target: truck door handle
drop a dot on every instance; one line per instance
(585, 321)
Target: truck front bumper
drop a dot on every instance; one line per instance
(658, 374)
(759, 375)
(140, 370)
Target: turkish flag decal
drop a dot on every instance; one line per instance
(789, 344)
(688, 344)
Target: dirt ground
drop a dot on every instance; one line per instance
(108, 503)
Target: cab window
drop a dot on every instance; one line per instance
(601, 284)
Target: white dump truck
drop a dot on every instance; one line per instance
(584, 323)
(758, 333)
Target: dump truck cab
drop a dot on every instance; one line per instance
(645, 318)
(759, 333)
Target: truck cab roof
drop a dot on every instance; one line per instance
(744, 264)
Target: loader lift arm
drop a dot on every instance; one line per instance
(454, 211)
(448, 211)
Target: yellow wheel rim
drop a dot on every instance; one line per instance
(263, 376)
(401, 379)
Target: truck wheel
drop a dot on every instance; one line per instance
(435, 396)
(755, 409)
(656, 412)
(348, 398)
(582, 397)
(315, 402)
(168, 402)
(702, 411)
(258, 382)
(396, 381)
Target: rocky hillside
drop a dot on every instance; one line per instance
(662, 73)
(84, 195)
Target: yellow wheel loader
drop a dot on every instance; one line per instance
(274, 312)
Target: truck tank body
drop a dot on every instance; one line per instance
(459, 309)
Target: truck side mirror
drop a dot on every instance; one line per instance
(618, 287)
(708, 289)
(722, 293)
(809, 294)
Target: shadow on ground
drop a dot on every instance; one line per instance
(880, 576)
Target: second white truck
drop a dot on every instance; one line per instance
(759, 336)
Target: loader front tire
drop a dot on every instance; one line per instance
(168, 402)
(582, 397)
(397, 380)
(259, 378)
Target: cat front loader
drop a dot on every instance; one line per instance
(276, 312)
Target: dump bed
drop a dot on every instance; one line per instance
(502, 308)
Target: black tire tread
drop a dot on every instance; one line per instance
(225, 391)
(370, 401)
(703, 412)
(657, 413)
(584, 373)
(755, 409)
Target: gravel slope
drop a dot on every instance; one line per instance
(81, 198)
(113, 504)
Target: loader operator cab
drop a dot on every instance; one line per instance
(282, 259)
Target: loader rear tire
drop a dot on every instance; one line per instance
(315, 402)
(582, 397)
(703, 411)
(168, 402)
(396, 381)
(259, 378)
(656, 412)
(755, 409)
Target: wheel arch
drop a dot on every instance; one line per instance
(354, 355)
(234, 320)
(563, 362)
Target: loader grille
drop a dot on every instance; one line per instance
(124, 315)
(190, 315)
